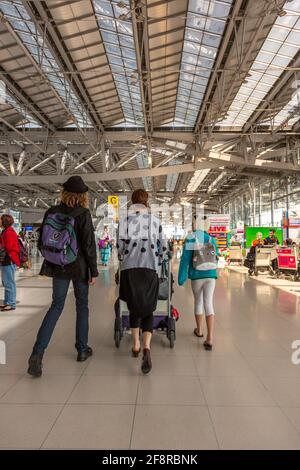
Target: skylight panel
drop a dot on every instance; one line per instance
(197, 179)
(122, 63)
(25, 28)
(206, 20)
(7, 98)
(143, 162)
(289, 115)
(279, 48)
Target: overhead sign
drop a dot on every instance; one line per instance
(113, 200)
(113, 206)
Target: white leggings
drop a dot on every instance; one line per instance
(203, 290)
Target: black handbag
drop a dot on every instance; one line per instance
(163, 291)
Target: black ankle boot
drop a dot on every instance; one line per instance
(84, 355)
(147, 363)
(35, 365)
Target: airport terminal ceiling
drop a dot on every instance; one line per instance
(194, 100)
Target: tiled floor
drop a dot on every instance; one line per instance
(243, 395)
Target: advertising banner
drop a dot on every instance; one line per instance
(219, 227)
(219, 223)
(286, 258)
(251, 234)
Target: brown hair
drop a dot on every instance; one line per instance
(140, 196)
(74, 199)
(7, 220)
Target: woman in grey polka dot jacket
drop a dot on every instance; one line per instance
(142, 247)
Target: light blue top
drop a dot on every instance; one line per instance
(186, 270)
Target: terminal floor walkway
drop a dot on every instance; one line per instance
(245, 394)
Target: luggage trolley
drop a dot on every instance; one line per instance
(236, 254)
(263, 259)
(162, 317)
(288, 262)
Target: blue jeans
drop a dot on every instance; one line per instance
(9, 284)
(60, 290)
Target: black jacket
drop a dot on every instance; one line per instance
(85, 265)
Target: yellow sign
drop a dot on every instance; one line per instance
(113, 207)
(113, 200)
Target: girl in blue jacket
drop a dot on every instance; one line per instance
(203, 285)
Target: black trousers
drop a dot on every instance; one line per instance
(146, 323)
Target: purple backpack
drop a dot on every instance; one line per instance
(58, 240)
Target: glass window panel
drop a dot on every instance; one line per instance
(210, 52)
(215, 26)
(107, 24)
(201, 73)
(218, 10)
(189, 58)
(115, 60)
(287, 21)
(195, 36)
(207, 63)
(120, 78)
(110, 48)
(196, 95)
(199, 6)
(196, 22)
(191, 47)
(200, 85)
(264, 57)
(103, 7)
(185, 84)
(281, 61)
(278, 33)
(9, 9)
(289, 50)
(211, 40)
(129, 63)
(183, 91)
(109, 37)
(126, 41)
(124, 27)
(187, 77)
(129, 53)
(294, 37)
(271, 46)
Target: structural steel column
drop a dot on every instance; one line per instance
(272, 203)
(259, 205)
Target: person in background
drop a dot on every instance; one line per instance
(82, 271)
(203, 281)
(22, 234)
(259, 240)
(105, 247)
(271, 239)
(141, 249)
(11, 260)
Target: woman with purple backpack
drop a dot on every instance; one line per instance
(67, 243)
